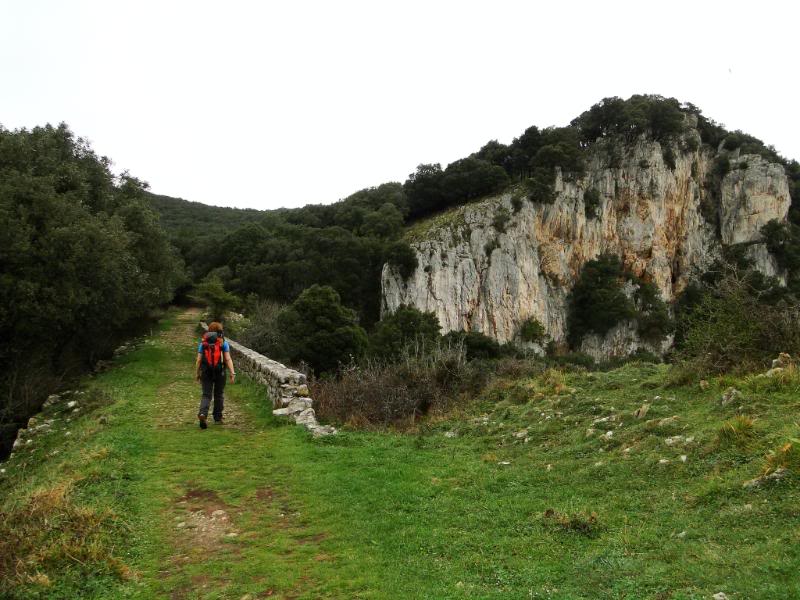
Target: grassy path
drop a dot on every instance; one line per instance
(555, 492)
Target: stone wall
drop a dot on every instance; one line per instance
(287, 389)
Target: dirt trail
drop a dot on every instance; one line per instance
(178, 400)
(224, 516)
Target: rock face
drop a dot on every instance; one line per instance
(475, 277)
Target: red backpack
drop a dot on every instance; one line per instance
(212, 352)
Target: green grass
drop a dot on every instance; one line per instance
(521, 503)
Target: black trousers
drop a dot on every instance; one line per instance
(213, 384)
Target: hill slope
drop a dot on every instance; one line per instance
(551, 488)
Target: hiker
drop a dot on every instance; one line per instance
(213, 355)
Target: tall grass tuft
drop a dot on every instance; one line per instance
(737, 431)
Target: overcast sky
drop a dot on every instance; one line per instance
(268, 104)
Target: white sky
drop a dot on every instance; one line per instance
(268, 104)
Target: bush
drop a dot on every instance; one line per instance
(669, 157)
(402, 256)
(591, 202)
(318, 330)
(501, 219)
(653, 322)
(532, 331)
(407, 325)
(400, 392)
(476, 345)
(262, 332)
(540, 187)
(732, 328)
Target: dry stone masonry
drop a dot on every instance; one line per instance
(287, 389)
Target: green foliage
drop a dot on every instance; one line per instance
(84, 259)
(489, 248)
(591, 202)
(501, 219)
(597, 302)
(669, 157)
(430, 189)
(407, 325)
(401, 255)
(532, 330)
(319, 331)
(212, 293)
(653, 321)
(261, 332)
(540, 187)
(735, 327)
(476, 344)
(516, 203)
(661, 118)
(721, 166)
(783, 241)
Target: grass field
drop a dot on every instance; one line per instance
(548, 487)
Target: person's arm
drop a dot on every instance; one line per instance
(197, 368)
(229, 364)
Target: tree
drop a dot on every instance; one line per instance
(597, 302)
(212, 292)
(318, 330)
(423, 189)
(404, 326)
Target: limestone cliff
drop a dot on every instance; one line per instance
(475, 277)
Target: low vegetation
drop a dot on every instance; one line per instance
(552, 482)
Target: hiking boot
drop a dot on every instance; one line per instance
(218, 421)
(203, 423)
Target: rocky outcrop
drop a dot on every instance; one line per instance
(477, 277)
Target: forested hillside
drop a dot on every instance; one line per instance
(278, 254)
(83, 262)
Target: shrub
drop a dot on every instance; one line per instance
(400, 392)
(653, 322)
(318, 330)
(262, 332)
(669, 157)
(405, 326)
(721, 166)
(402, 256)
(783, 241)
(516, 203)
(573, 359)
(540, 187)
(501, 219)
(532, 330)
(597, 302)
(591, 202)
(733, 328)
(476, 344)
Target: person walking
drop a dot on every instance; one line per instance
(213, 356)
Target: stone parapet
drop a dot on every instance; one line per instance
(287, 389)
